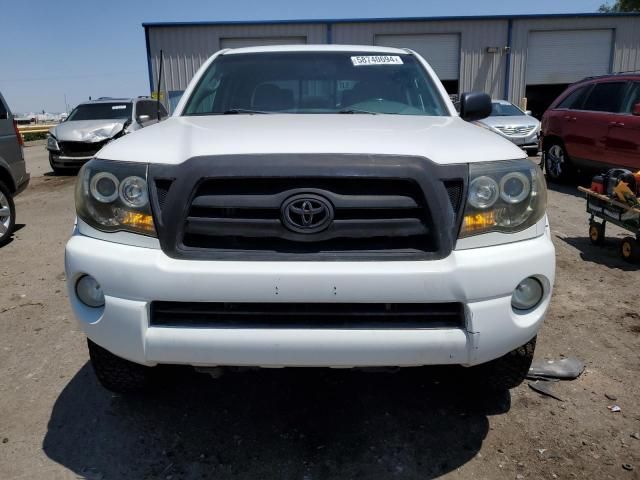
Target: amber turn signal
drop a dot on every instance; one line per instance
(477, 222)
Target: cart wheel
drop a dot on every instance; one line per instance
(630, 249)
(596, 233)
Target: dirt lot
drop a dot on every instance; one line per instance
(56, 422)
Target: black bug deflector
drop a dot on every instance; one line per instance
(383, 207)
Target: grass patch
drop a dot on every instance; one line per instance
(30, 136)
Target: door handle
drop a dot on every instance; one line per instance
(570, 118)
(616, 124)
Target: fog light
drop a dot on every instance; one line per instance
(90, 292)
(527, 294)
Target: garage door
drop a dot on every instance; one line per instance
(442, 51)
(258, 41)
(565, 56)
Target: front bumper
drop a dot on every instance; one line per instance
(482, 278)
(527, 141)
(62, 161)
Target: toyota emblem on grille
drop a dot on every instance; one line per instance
(307, 213)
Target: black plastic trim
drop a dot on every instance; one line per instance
(188, 176)
(307, 315)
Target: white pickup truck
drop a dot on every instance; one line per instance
(312, 206)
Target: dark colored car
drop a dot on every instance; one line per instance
(13, 174)
(595, 123)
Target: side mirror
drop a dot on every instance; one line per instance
(4, 115)
(143, 118)
(636, 109)
(474, 106)
(528, 112)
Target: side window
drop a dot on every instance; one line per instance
(632, 98)
(575, 99)
(605, 97)
(205, 95)
(140, 110)
(145, 107)
(163, 112)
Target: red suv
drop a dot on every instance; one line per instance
(595, 123)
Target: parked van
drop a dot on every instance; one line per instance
(13, 173)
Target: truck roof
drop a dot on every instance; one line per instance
(319, 48)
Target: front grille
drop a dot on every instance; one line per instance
(369, 214)
(520, 130)
(162, 190)
(372, 207)
(308, 315)
(80, 149)
(455, 190)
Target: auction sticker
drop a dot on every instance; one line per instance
(376, 60)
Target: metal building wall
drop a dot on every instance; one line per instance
(626, 44)
(479, 70)
(187, 47)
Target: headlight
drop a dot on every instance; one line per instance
(114, 196)
(483, 192)
(52, 143)
(134, 192)
(507, 196)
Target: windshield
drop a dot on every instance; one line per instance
(316, 82)
(101, 111)
(505, 110)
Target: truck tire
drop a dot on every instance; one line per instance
(8, 221)
(508, 371)
(117, 374)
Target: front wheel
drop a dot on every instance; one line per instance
(556, 163)
(117, 374)
(508, 371)
(7, 214)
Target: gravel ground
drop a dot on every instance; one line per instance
(56, 422)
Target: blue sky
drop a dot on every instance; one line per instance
(82, 48)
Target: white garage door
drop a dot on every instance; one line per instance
(565, 56)
(259, 41)
(442, 51)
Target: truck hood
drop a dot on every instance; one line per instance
(445, 140)
(89, 131)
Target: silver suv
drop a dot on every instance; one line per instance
(91, 125)
(13, 174)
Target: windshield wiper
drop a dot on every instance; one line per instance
(235, 111)
(355, 110)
